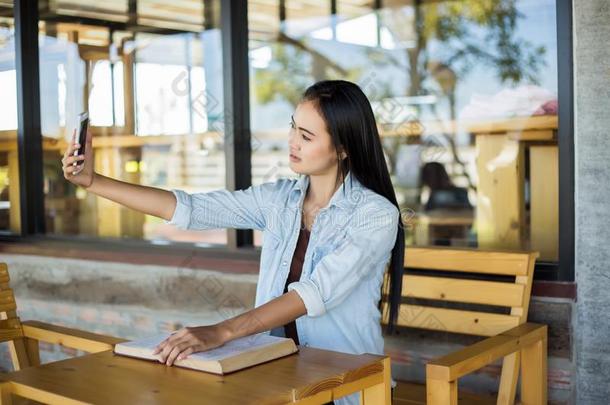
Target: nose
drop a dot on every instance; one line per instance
(293, 141)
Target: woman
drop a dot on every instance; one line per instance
(327, 236)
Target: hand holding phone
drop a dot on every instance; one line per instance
(77, 161)
(83, 119)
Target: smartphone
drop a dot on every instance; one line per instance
(83, 120)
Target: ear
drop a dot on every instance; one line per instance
(342, 153)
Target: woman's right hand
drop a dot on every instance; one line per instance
(82, 174)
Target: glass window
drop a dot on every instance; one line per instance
(465, 97)
(9, 162)
(155, 111)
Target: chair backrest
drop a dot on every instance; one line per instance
(10, 325)
(437, 277)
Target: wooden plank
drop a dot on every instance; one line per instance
(46, 397)
(511, 363)
(464, 361)
(10, 323)
(514, 124)
(360, 380)
(86, 341)
(108, 162)
(7, 300)
(33, 350)
(500, 214)
(545, 135)
(467, 260)
(452, 320)
(524, 125)
(319, 398)
(380, 393)
(5, 393)
(10, 329)
(19, 354)
(534, 373)
(13, 190)
(128, 90)
(460, 290)
(8, 306)
(102, 139)
(544, 186)
(4, 274)
(10, 135)
(508, 379)
(441, 392)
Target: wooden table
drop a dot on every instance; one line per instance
(426, 223)
(311, 376)
(501, 219)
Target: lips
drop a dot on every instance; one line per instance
(294, 158)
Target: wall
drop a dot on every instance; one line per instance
(119, 299)
(592, 171)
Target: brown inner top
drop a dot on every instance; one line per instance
(296, 267)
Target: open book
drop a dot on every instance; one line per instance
(232, 356)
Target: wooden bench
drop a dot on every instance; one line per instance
(23, 337)
(438, 276)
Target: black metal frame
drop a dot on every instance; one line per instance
(29, 135)
(565, 69)
(238, 150)
(233, 22)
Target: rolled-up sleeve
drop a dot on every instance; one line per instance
(182, 213)
(241, 209)
(365, 248)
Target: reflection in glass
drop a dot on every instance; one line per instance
(155, 109)
(9, 162)
(463, 95)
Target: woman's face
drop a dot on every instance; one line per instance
(310, 145)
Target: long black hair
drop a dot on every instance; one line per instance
(350, 121)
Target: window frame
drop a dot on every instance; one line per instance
(234, 27)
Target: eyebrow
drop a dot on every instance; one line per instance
(301, 128)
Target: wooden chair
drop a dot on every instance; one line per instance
(23, 337)
(462, 277)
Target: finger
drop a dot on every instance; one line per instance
(74, 144)
(76, 149)
(69, 149)
(167, 340)
(167, 349)
(160, 346)
(175, 352)
(185, 353)
(72, 170)
(71, 159)
(72, 149)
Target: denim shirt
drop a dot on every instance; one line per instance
(349, 247)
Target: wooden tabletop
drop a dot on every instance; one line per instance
(109, 378)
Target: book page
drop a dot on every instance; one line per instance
(227, 350)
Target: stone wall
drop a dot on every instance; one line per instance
(592, 172)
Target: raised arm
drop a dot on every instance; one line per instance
(243, 209)
(79, 171)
